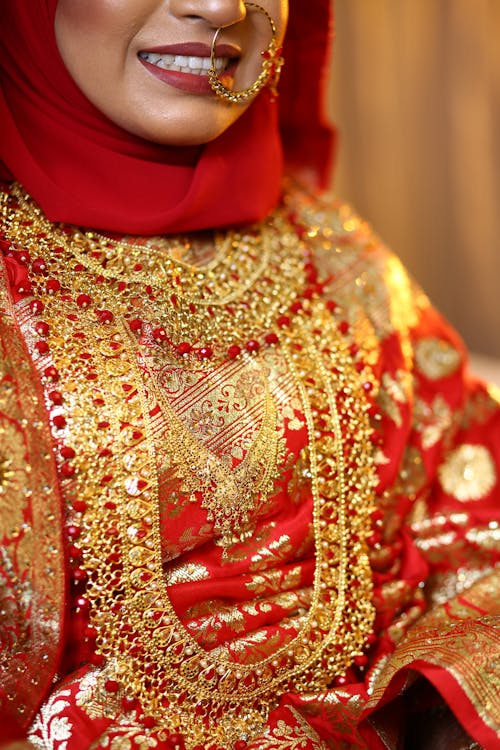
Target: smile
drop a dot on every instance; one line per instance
(185, 63)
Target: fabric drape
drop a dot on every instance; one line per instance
(85, 170)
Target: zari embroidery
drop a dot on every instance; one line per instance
(229, 495)
(50, 730)
(31, 545)
(393, 393)
(457, 637)
(296, 736)
(468, 473)
(436, 358)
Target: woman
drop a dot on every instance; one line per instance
(249, 492)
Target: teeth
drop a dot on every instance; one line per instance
(184, 63)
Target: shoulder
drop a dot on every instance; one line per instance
(364, 276)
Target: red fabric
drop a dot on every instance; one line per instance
(83, 169)
(456, 698)
(308, 138)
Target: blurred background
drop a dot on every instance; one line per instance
(415, 94)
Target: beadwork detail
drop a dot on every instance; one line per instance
(262, 291)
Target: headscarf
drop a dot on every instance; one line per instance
(83, 169)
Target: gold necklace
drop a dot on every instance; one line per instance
(183, 307)
(228, 496)
(112, 488)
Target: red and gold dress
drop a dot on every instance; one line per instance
(249, 493)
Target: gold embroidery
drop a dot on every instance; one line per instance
(369, 282)
(458, 639)
(432, 420)
(479, 408)
(468, 473)
(341, 710)
(279, 549)
(442, 587)
(448, 537)
(31, 547)
(487, 538)
(93, 698)
(123, 736)
(394, 390)
(275, 580)
(50, 730)
(296, 736)
(12, 474)
(436, 358)
(401, 295)
(412, 476)
(185, 572)
(229, 495)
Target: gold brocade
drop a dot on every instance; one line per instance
(436, 358)
(371, 285)
(110, 405)
(468, 473)
(285, 736)
(32, 585)
(457, 638)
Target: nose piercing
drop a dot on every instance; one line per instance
(272, 62)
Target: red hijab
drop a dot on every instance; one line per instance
(83, 169)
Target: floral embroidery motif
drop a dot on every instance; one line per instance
(468, 473)
(297, 736)
(394, 391)
(51, 731)
(127, 737)
(436, 358)
(432, 420)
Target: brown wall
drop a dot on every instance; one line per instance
(415, 93)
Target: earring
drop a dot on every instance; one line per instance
(272, 63)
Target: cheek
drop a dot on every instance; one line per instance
(101, 18)
(93, 35)
(86, 14)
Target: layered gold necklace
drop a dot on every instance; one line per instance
(95, 302)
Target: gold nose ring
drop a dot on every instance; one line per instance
(272, 62)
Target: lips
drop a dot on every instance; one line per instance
(185, 65)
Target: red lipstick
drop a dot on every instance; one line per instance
(191, 82)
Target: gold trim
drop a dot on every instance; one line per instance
(31, 551)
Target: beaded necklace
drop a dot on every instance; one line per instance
(97, 301)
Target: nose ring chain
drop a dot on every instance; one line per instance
(272, 62)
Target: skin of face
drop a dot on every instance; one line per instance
(100, 42)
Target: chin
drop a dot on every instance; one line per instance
(182, 124)
(180, 135)
(185, 139)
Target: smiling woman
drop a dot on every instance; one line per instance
(248, 491)
(149, 67)
(55, 133)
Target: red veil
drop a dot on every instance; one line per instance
(83, 169)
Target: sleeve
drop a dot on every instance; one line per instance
(32, 578)
(435, 545)
(442, 507)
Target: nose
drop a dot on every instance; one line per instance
(217, 13)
